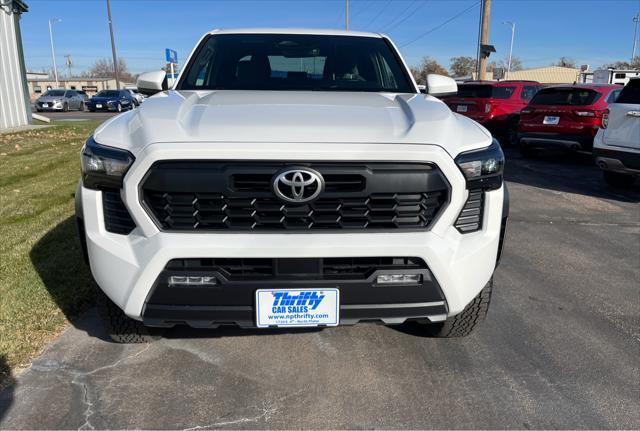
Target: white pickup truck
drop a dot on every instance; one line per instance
(292, 178)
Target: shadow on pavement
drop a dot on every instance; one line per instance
(58, 259)
(564, 172)
(7, 383)
(186, 332)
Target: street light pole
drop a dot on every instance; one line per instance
(113, 47)
(513, 32)
(53, 51)
(635, 36)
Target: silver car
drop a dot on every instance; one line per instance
(60, 100)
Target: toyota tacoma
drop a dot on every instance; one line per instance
(292, 178)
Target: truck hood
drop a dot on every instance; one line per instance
(226, 116)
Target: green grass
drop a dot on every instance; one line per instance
(43, 279)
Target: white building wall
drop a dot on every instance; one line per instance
(14, 108)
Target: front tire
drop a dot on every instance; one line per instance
(119, 107)
(464, 323)
(617, 179)
(65, 108)
(511, 132)
(81, 107)
(120, 327)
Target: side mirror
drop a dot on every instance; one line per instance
(150, 83)
(440, 86)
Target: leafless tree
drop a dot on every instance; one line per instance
(427, 66)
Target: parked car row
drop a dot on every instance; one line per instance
(561, 117)
(105, 100)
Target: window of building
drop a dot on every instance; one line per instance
(37, 89)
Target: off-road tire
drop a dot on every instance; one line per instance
(464, 323)
(120, 327)
(617, 179)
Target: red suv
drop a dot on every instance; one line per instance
(495, 105)
(565, 116)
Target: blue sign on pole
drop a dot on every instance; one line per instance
(171, 55)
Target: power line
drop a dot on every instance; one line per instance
(459, 14)
(411, 14)
(360, 9)
(395, 18)
(386, 5)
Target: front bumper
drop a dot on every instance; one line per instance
(127, 267)
(50, 108)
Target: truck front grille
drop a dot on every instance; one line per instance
(237, 196)
(248, 269)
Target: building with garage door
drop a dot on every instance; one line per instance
(14, 96)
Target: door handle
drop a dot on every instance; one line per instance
(633, 113)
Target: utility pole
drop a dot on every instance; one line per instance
(513, 32)
(347, 14)
(635, 36)
(69, 63)
(484, 37)
(113, 47)
(53, 51)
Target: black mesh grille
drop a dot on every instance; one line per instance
(116, 216)
(200, 211)
(213, 196)
(240, 269)
(470, 218)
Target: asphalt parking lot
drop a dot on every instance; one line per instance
(560, 347)
(77, 115)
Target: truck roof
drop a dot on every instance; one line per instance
(267, 30)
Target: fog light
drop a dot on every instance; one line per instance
(192, 281)
(399, 279)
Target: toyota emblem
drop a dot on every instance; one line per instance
(299, 185)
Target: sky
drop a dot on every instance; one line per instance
(593, 32)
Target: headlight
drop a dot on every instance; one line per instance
(102, 166)
(483, 168)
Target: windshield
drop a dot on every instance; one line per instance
(565, 96)
(295, 62)
(107, 93)
(484, 91)
(54, 93)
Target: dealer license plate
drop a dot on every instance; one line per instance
(98, 105)
(461, 108)
(297, 307)
(551, 120)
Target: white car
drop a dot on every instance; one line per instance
(292, 178)
(616, 148)
(138, 97)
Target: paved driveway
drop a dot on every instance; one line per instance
(77, 115)
(560, 348)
